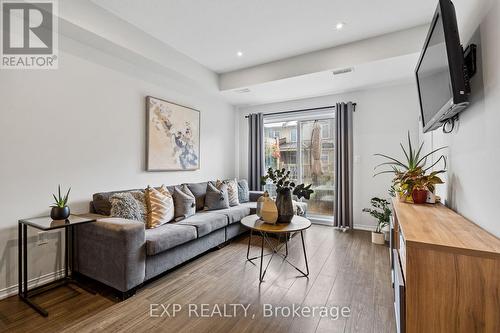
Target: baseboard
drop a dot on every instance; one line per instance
(364, 227)
(38, 281)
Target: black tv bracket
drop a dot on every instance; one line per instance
(470, 67)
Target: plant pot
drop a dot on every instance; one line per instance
(284, 205)
(378, 238)
(419, 196)
(59, 213)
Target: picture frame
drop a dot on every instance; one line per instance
(172, 136)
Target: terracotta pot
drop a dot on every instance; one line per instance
(378, 238)
(419, 196)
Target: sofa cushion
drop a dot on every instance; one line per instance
(199, 191)
(160, 206)
(128, 205)
(243, 192)
(252, 205)
(168, 236)
(184, 202)
(235, 213)
(216, 197)
(232, 191)
(205, 222)
(101, 201)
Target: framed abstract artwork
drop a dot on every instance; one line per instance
(173, 136)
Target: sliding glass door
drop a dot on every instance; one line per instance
(304, 144)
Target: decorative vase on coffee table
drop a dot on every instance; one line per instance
(285, 205)
(266, 209)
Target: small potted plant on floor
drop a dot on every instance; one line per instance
(382, 213)
(60, 210)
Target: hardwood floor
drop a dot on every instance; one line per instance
(346, 270)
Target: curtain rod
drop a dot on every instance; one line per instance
(302, 110)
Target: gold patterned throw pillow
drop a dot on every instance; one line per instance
(232, 191)
(160, 206)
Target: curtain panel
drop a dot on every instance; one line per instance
(344, 163)
(255, 150)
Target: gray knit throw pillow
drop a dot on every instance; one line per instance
(126, 206)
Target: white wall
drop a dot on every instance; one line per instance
(474, 147)
(382, 118)
(83, 126)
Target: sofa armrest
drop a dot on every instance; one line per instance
(112, 251)
(255, 195)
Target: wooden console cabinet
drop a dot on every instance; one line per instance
(446, 271)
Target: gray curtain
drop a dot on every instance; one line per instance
(255, 150)
(343, 170)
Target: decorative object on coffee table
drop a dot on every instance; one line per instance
(173, 136)
(47, 224)
(60, 210)
(266, 209)
(284, 190)
(382, 213)
(298, 224)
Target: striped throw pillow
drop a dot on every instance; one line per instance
(232, 191)
(160, 206)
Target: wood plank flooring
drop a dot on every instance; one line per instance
(346, 270)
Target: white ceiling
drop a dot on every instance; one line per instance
(211, 32)
(391, 70)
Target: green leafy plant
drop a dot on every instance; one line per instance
(410, 173)
(380, 211)
(60, 201)
(281, 179)
(413, 160)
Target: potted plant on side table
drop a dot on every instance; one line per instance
(60, 210)
(382, 213)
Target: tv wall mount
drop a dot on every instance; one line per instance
(470, 69)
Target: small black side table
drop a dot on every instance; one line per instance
(46, 224)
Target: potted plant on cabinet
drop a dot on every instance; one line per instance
(410, 171)
(284, 190)
(60, 210)
(382, 213)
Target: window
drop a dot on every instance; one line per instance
(325, 131)
(293, 135)
(289, 144)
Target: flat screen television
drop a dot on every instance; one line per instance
(441, 79)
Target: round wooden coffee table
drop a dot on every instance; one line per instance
(298, 224)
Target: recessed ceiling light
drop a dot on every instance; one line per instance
(239, 54)
(340, 25)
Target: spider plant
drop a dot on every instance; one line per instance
(414, 160)
(60, 201)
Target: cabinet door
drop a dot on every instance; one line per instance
(399, 294)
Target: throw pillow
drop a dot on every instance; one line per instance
(232, 191)
(216, 197)
(184, 201)
(160, 206)
(243, 191)
(125, 206)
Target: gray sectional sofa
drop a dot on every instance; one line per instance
(123, 254)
